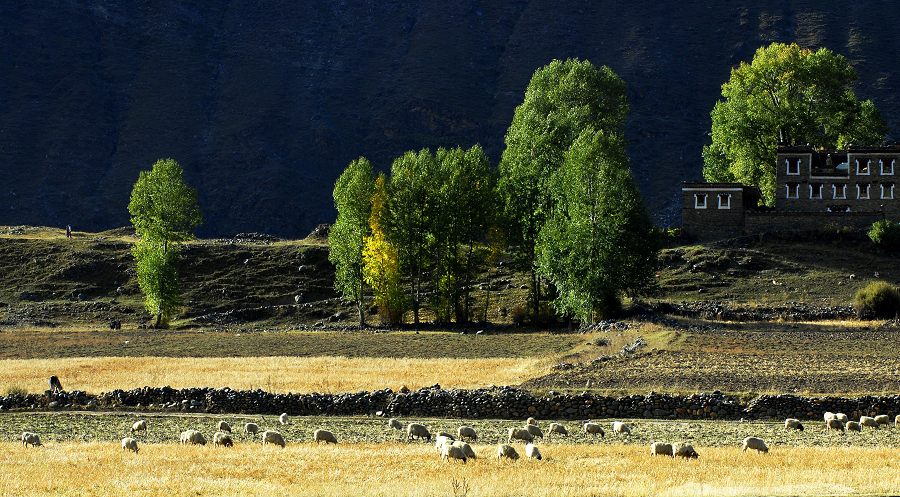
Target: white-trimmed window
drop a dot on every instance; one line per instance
(838, 191)
(724, 201)
(887, 169)
(815, 191)
(792, 190)
(700, 201)
(862, 191)
(792, 166)
(887, 191)
(864, 169)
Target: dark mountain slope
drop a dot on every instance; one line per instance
(264, 105)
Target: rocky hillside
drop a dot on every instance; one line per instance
(265, 105)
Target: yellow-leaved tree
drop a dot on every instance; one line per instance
(381, 263)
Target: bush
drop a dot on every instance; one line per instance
(519, 315)
(878, 299)
(16, 390)
(886, 234)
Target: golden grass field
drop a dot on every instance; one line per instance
(396, 469)
(273, 374)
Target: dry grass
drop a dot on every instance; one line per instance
(274, 374)
(394, 469)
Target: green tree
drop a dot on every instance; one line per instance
(599, 242)
(562, 99)
(408, 217)
(353, 199)
(786, 94)
(164, 211)
(465, 206)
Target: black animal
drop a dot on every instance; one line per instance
(55, 385)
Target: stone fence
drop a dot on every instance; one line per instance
(495, 402)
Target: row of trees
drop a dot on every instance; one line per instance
(563, 195)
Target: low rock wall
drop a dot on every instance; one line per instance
(496, 402)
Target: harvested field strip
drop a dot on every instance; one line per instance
(273, 374)
(395, 469)
(42, 344)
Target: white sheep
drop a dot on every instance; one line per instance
(129, 443)
(520, 434)
(841, 417)
(467, 433)
(192, 437)
(223, 439)
(868, 422)
(834, 425)
(324, 436)
(283, 419)
(223, 426)
(139, 425)
(853, 426)
(251, 428)
(531, 421)
(661, 449)
(686, 451)
(415, 430)
(273, 437)
(440, 441)
(883, 419)
(450, 451)
(532, 452)
(620, 427)
(593, 429)
(753, 443)
(828, 416)
(897, 420)
(558, 429)
(395, 424)
(29, 438)
(793, 424)
(466, 448)
(507, 451)
(535, 431)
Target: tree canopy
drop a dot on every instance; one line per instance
(786, 94)
(163, 206)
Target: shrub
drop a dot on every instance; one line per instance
(16, 390)
(878, 299)
(519, 315)
(885, 234)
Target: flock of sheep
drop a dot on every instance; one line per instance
(456, 447)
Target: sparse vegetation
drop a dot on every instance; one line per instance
(878, 299)
(886, 235)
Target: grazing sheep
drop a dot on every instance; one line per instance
(139, 425)
(853, 426)
(757, 444)
(466, 448)
(192, 437)
(531, 421)
(535, 431)
(129, 443)
(467, 432)
(661, 449)
(841, 417)
(507, 451)
(834, 425)
(223, 439)
(558, 429)
(897, 420)
(450, 451)
(793, 424)
(32, 439)
(223, 426)
(395, 424)
(828, 416)
(251, 428)
(868, 422)
(620, 427)
(442, 440)
(324, 436)
(594, 429)
(445, 434)
(273, 437)
(55, 385)
(687, 452)
(283, 419)
(882, 419)
(532, 452)
(415, 430)
(520, 434)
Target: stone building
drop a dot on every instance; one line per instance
(813, 190)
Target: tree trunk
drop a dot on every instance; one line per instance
(158, 320)
(359, 307)
(536, 295)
